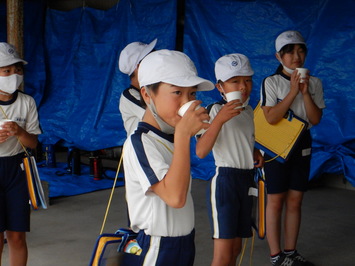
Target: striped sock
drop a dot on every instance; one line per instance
(289, 252)
(275, 258)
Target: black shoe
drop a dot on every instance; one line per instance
(284, 260)
(300, 260)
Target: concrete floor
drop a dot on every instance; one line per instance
(65, 233)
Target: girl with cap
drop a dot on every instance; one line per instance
(20, 113)
(231, 139)
(287, 182)
(157, 160)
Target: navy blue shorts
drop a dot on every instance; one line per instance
(162, 251)
(14, 199)
(292, 174)
(229, 203)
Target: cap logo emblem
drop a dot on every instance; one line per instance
(11, 51)
(290, 35)
(234, 63)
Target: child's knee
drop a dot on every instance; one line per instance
(16, 239)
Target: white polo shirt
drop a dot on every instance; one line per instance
(131, 109)
(147, 158)
(276, 87)
(21, 109)
(234, 146)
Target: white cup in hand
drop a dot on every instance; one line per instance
(2, 122)
(234, 95)
(302, 72)
(186, 106)
(183, 110)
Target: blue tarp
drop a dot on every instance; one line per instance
(214, 28)
(35, 72)
(84, 84)
(62, 183)
(75, 80)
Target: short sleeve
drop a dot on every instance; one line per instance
(268, 92)
(316, 91)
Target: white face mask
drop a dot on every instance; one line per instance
(288, 70)
(164, 127)
(9, 84)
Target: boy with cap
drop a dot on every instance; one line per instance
(157, 160)
(231, 139)
(287, 182)
(131, 106)
(19, 123)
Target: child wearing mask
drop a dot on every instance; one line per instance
(286, 182)
(157, 160)
(19, 123)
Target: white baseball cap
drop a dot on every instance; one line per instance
(132, 54)
(288, 37)
(9, 55)
(171, 67)
(232, 65)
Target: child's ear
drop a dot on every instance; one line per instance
(278, 57)
(219, 87)
(145, 95)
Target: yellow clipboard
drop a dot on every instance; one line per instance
(35, 190)
(259, 204)
(279, 139)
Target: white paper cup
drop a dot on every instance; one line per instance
(302, 72)
(2, 122)
(234, 95)
(183, 110)
(186, 106)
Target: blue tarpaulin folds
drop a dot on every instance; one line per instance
(80, 107)
(73, 73)
(214, 28)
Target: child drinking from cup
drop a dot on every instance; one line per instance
(157, 160)
(231, 139)
(286, 182)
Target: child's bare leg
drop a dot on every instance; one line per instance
(224, 252)
(292, 218)
(17, 248)
(274, 207)
(1, 244)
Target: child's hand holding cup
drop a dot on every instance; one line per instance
(183, 110)
(4, 133)
(2, 122)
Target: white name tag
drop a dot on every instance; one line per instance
(253, 192)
